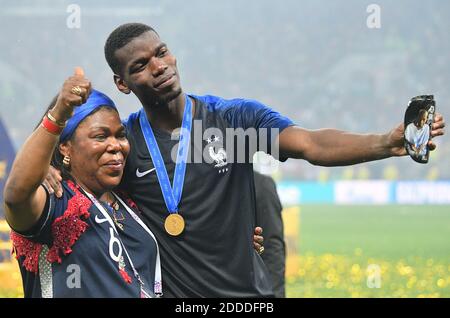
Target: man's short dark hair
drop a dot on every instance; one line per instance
(120, 37)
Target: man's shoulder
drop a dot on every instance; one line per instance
(132, 126)
(217, 103)
(131, 119)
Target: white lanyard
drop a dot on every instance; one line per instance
(158, 281)
(158, 278)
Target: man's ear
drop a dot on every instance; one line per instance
(121, 85)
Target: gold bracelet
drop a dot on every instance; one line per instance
(54, 120)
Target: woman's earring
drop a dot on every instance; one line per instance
(66, 162)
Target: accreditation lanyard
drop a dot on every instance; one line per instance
(172, 195)
(157, 288)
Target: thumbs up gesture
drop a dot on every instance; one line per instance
(74, 92)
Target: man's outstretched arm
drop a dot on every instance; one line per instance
(330, 147)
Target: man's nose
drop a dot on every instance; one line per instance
(158, 67)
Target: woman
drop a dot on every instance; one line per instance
(85, 244)
(88, 242)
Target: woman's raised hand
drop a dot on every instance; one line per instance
(74, 92)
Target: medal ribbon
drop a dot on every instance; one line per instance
(172, 196)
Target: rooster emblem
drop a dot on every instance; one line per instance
(220, 157)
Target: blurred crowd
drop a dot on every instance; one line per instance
(316, 62)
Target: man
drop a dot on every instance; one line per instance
(268, 217)
(204, 222)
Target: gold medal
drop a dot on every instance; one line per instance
(174, 224)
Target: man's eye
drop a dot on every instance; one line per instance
(138, 68)
(162, 52)
(100, 137)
